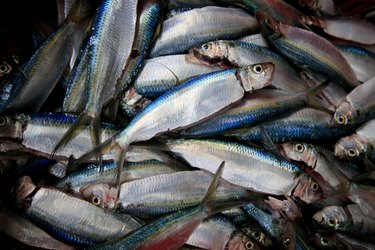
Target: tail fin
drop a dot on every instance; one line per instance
(209, 198)
(80, 10)
(311, 99)
(84, 120)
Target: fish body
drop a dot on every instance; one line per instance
(305, 124)
(253, 109)
(361, 60)
(247, 166)
(28, 89)
(218, 232)
(160, 74)
(306, 48)
(40, 131)
(197, 26)
(71, 219)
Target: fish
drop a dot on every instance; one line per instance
(160, 116)
(226, 53)
(203, 24)
(248, 167)
(172, 230)
(254, 109)
(28, 89)
(358, 144)
(32, 129)
(106, 60)
(306, 48)
(70, 219)
(358, 106)
(216, 232)
(361, 60)
(346, 219)
(301, 125)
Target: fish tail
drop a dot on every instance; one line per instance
(102, 148)
(119, 162)
(82, 121)
(210, 195)
(311, 99)
(79, 11)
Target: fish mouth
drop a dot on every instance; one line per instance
(197, 58)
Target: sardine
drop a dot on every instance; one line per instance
(217, 232)
(306, 48)
(358, 106)
(236, 53)
(28, 89)
(197, 26)
(359, 144)
(175, 109)
(71, 219)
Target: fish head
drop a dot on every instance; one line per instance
(256, 76)
(24, 189)
(10, 127)
(257, 235)
(240, 241)
(307, 189)
(333, 217)
(325, 241)
(345, 114)
(351, 147)
(99, 194)
(268, 25)
(211, 53)
(298, 151)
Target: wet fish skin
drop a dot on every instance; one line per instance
(239, 54)
(305, 124)
(358, 105)
(31, 129)
(71, 219)
(361, 60)
(306, 48)
(160, 74)
(253, 109)
(357, 145)
(150, 13)
(218, 232)
(347, 219)
(27, 90)
(204, 24)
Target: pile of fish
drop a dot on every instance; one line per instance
(150, 124)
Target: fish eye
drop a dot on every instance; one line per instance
(342, 120)
(257, 69)
(314, 186)
(3, 121)
(256, 234)
(3, 68)
(205, 47)
(352, 152)
(324, 241)
(96, 200)
(249, 245)
(299, 147)
(267, 20)
(286, 242)
(331, 222)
